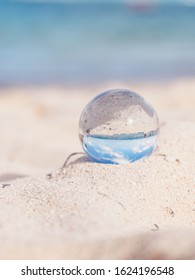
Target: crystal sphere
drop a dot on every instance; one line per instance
(118, 126)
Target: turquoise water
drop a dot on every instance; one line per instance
(116, 150)
(50, 43)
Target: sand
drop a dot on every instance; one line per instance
(144, 210)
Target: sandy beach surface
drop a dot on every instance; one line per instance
(144, 210)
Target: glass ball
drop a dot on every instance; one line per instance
(118, 126)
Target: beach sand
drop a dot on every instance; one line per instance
(144, 210)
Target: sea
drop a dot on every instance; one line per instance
(86, 42)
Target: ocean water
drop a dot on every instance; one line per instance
(92, 42)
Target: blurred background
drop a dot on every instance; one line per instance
(79, 42)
